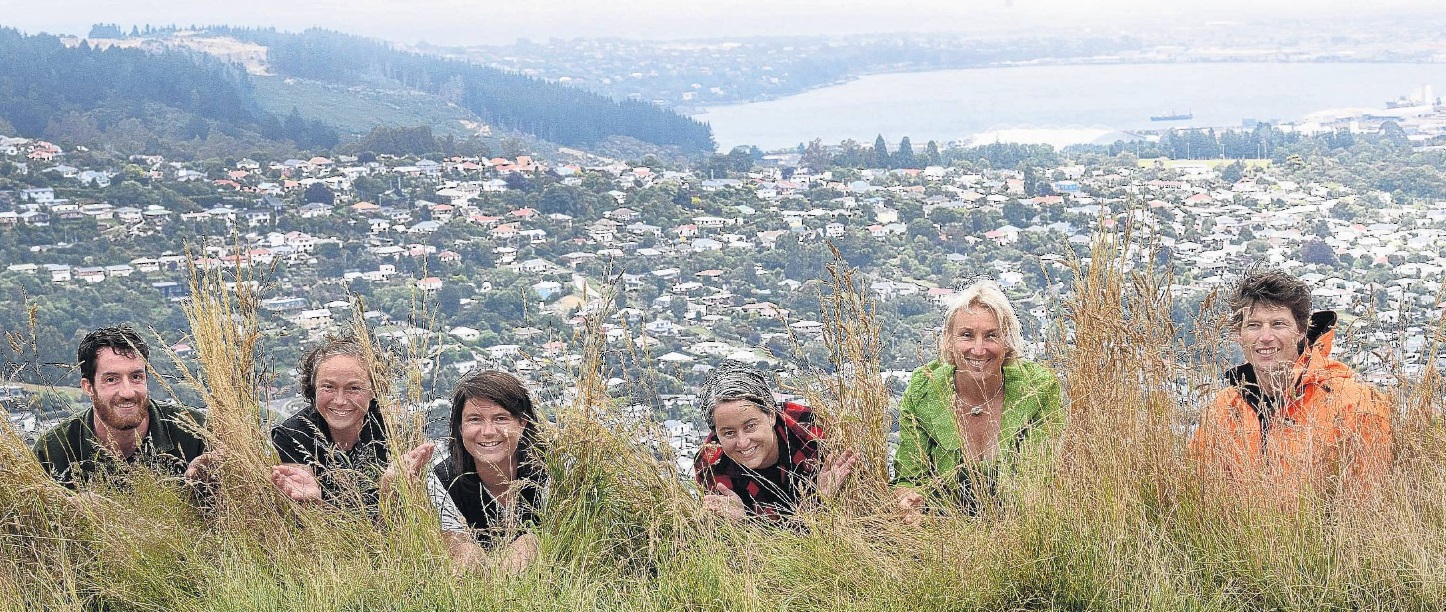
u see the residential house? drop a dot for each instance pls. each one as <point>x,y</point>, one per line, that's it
<point>313,319</point>
<point>465,334</point>
<point>90,274</point>
<point>314,210</point>
<point>60,273</point>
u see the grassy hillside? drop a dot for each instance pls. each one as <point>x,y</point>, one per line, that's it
<point>553,112</point>
<point>356,110</point>
<point>133,100</point>
<point>1116,518</point>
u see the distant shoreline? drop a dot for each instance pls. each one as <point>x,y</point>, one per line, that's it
<point>1072,102</point>
<point>701,110</point>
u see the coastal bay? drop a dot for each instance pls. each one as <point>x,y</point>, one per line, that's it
<point>1062,104</point>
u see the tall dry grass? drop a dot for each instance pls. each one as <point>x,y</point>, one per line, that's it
<point>853,402</point>
<point>226,336</point>
<point>613,503</point>
<point>1116,517</point>
<point>407,527</point>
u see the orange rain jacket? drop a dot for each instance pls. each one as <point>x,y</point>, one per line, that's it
<point>1332,427</point>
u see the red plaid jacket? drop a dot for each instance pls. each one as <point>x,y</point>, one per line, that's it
<point>773,492</point>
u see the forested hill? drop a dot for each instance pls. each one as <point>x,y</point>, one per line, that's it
<point>183,103</point>
<point>557,113</point>
<point>136,99</point>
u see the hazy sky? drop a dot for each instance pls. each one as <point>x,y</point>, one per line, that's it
<point>460,22</point>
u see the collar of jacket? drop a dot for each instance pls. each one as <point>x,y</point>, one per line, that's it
<point>939,420</point>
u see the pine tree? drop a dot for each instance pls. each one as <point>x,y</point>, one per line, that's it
<point>932,151</point>
<point>904,157</point>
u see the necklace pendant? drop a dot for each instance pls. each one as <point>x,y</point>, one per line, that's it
<point>976,410</point>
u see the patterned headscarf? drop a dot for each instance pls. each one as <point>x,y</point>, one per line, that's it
<point>734,380</point>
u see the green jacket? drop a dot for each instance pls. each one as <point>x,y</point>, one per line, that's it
<point>930,453</point>
<point>71,453</point>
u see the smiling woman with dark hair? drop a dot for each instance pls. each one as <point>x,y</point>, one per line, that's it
<point>489,491</point>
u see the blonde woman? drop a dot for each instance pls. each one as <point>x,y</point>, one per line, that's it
<point>974,409</point>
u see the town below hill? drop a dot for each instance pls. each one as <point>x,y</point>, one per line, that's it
<point>499,261</point>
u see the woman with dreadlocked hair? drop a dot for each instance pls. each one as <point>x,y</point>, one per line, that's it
<point>760,458</point>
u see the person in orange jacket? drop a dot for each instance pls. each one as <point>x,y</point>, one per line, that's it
<point>1292,416</point>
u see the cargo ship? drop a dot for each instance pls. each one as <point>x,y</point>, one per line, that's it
<point>1173,116</point>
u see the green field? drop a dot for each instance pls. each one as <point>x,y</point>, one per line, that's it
<point>357,109</point>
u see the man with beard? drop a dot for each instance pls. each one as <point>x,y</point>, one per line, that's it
<point>124,427</point>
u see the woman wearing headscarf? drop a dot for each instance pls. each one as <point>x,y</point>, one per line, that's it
<point>489,492</point>
<point>761,459</point>
<point>975,410</point>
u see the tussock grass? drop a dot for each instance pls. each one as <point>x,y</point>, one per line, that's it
<point>613,505</point>
<point>1115,517</point>
<point>226,332</point>
<point>853,402</point>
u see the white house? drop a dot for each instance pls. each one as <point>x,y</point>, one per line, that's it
<point>465,334</point>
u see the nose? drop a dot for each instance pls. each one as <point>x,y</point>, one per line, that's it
<point>488,428</point>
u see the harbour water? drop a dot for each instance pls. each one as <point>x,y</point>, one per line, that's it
<point>1063,104</point>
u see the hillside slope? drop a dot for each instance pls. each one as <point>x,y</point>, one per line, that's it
<point>556,113</point>
<point>201,91</point>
